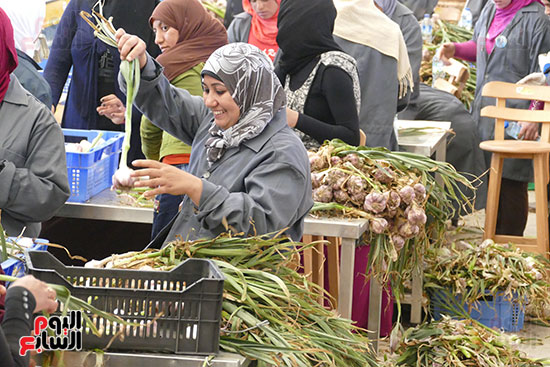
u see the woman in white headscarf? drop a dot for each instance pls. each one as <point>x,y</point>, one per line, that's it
<point>247,170</point>
<point>27,17</point>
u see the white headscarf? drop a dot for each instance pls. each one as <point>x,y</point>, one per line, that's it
<point>361,22</point>
<point>27,17</point>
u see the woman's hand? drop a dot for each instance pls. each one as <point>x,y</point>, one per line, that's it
<point>291,117</point>
<point>112,108</point>
<point>529,130</point>
<point>43,295</point>
<point>131,47</point>
<point>533,79</point>
<point>446,52</point>
<point>166,179</point>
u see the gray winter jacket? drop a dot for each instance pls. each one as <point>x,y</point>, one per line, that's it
<point>33,170</point>
<point>239,29</point>
<point>261,186</point>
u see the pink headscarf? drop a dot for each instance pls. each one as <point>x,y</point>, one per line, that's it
<point>502,18</point>
<point>8,55</point>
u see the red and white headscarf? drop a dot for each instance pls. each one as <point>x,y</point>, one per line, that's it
<point>8,54</point>
<point>263,32</point>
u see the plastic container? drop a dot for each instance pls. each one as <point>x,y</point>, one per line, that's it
<point>16,267</point>
<point>437,69</point>
<point>427,28</point>
<point>466,19</point>
<point>512,129</point>
<point>92,172</point>
<point>177,311</point>
<point>492,311</point>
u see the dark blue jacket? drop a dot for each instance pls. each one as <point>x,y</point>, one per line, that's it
<point>75,46</point>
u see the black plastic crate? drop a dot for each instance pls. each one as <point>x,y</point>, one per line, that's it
<point>178,311</point>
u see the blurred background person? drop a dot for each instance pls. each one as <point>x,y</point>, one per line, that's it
<point>95,65</point>
<point>508,37</point>
<point>257,25</point>
<point>27,17</point>
<point>232,8</point>
<point>377,44</point>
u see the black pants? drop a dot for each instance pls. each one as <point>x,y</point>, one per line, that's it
<point>513,208</point>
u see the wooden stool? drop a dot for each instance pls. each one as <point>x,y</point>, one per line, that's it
<point>502,149</point>
<point>314,264</point>
<point>362,137</point>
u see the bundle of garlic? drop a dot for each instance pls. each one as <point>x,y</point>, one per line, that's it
<point>471,271</point>
<point>397,192</point>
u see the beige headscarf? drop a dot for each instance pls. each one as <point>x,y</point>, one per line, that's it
<point>361,22</point>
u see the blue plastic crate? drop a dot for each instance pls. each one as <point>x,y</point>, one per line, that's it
<point>92,172</point>
<point>492,311</point>
<point>15,267</point>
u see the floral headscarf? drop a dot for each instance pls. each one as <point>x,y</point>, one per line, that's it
<point>248,75</point>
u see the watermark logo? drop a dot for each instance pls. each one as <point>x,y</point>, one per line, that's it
<point>54,333</point>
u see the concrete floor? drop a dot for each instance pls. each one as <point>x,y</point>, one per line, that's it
<point>539,346</point>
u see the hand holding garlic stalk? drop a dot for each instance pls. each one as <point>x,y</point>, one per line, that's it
<point>133,56</point>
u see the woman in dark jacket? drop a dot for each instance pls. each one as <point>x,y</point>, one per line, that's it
<point>94,64</point>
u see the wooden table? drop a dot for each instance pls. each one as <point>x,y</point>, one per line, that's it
<point>349,230</point>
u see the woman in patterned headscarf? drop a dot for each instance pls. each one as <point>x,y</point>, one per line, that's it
<point>321,81</point>
<point>247,170</point>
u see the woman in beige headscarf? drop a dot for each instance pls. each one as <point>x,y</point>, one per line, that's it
<point>377,44</point>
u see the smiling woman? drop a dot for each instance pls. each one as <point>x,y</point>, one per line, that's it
<point>248,170</point>
<point>217,98</point>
